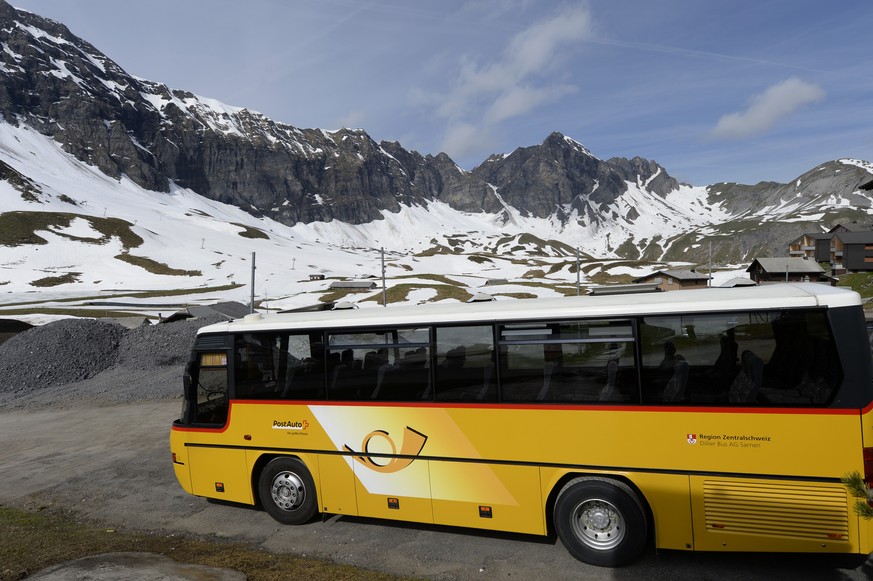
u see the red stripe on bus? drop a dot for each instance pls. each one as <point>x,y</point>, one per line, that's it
<point>565,407</point>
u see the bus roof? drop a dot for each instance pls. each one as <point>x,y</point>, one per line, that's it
<point>773,296</point>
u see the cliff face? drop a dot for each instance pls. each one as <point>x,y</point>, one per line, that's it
<point>64,87</point>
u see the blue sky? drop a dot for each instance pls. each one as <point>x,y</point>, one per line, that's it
<point>713,90</point>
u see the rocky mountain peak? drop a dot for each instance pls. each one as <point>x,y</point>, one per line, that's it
<point>67,89</point>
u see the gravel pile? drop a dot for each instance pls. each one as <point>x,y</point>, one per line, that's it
<point>74,361</point>
<point>62,352</point>
<point>150,346</point>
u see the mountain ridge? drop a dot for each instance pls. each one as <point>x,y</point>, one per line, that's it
<point>161,138</point>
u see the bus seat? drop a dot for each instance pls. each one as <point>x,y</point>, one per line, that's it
<point>611,377</point>
<point>380,379</point>
<point>548,369</point>
<point>747,383</point>
<point>289,381</point>
<point>675,388</point>
<point>403,384</point>
<point>428,390</point>
<point>487,373</point>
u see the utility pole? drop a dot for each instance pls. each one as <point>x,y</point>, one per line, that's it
<point>709,280</point>
<point>252,303</point>
<point>577,271</point>
<point>384,292</point>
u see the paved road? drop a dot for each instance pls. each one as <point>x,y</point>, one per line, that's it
<point>111,464</point>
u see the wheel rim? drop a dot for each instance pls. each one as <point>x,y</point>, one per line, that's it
<point>287,491</point>
<point>598,524</point>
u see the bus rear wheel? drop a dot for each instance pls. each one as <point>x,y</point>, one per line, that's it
<point>600,521</point>
<point>287,491</point>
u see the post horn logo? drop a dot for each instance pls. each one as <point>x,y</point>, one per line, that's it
<point>413,443</point>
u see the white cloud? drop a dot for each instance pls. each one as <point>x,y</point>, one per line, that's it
<point>461,139</point>
<point>767,109</point>
<point>519,100</point>
<point>534,48</point>
<point>520,80</point>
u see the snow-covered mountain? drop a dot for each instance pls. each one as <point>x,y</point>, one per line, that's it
<point>73,237</point>
<point>114,183</point>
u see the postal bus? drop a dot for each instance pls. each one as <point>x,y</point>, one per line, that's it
<point>710,419</point>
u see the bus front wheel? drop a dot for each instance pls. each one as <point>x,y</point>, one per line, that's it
<point>600,521</point>
<point>287,491</point>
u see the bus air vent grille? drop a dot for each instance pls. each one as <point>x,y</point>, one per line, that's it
<point>810,511</point>
<point>212,342</point>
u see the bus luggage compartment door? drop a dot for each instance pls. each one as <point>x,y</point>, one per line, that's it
<point>746,514</point>
<point>388,491</point>
<point>220,473</point>
<point>487,496</point>
<point>336,485</point>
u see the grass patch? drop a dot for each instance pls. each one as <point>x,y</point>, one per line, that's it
<point>558,266</point>
<point>628,249</point>
<point>445,292</point>
<point>337,295</point>
<point>104,297</point>
<point>155,267</point>
<point>249,232</point>
<point>181,291</point>
<point>603,277</point>
<point>20,228</point>
<point>398,293</point>
<point>536,246</point>
<point>517,295</point>
<point>57,280</point>
<point>34,541</point>
<point>393,294</point>
<point>860,282</point>
<point>441,278</point>
<point>434,251</point>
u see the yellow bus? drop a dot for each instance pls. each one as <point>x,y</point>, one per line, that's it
<point>706,420</point>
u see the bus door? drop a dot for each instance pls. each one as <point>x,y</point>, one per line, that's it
<point>216,471</point>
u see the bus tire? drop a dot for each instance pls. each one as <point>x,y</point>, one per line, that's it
<point>600,521</point>
<point>287,491</point>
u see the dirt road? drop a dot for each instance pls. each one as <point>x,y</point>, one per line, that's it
<point>111,465</point>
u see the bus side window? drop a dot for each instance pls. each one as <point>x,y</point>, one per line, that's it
<point>304,368</point>
<point>346,378</point>
<point>694,358</point>
<point>739,358</point>
<point>465,364</point>
<point>804,368</point>
<point>408,379</point>
<point>569,361</point>
<point>256,367</point>
<point>380,364</point>
<point>279,366</point>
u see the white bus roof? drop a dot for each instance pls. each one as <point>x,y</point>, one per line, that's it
<point>774,296</point>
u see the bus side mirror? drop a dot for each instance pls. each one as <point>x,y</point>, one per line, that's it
<point>188,383</point>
